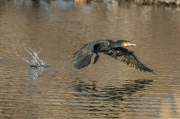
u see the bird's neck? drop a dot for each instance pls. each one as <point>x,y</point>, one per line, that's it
<point>115,45</point>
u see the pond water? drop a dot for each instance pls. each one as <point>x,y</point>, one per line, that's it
<point>107,89</point>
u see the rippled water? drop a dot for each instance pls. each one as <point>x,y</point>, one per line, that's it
<point>107,89</point>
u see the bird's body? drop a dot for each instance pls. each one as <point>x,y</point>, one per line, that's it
<point>82,57</point>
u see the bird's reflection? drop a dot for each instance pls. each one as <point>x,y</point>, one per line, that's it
<point>111,100</point>
<point>114,92</point>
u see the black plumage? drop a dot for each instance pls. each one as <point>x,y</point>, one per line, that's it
<point>82,57</point>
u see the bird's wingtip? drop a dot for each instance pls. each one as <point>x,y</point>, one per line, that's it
<point>154,72</point>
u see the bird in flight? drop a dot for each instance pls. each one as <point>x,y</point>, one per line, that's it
<point>117,50</point>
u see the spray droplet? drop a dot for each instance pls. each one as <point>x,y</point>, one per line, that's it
<point>35,62</point>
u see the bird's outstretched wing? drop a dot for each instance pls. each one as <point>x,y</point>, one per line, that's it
<point>82,57</point>
<point>124,55</point>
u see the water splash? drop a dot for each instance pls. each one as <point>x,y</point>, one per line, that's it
<point>35,62</point>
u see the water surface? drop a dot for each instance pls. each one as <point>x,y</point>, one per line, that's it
<point>107,89</point>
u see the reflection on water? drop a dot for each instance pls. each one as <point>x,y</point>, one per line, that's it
<point>109,101</point>
<point>77,2</point>
<point>108,89</point>
<point>33,73</point>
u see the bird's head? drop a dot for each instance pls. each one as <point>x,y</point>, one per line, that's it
<point>125,43</point>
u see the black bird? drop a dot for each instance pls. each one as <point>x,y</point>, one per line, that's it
<point>82,57</point>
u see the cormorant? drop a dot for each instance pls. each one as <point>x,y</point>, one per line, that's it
<point>82,57</point>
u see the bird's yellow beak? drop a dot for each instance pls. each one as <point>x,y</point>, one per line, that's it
<point>129,44</point>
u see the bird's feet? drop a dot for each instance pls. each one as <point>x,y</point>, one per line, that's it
<point>96,58</point>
